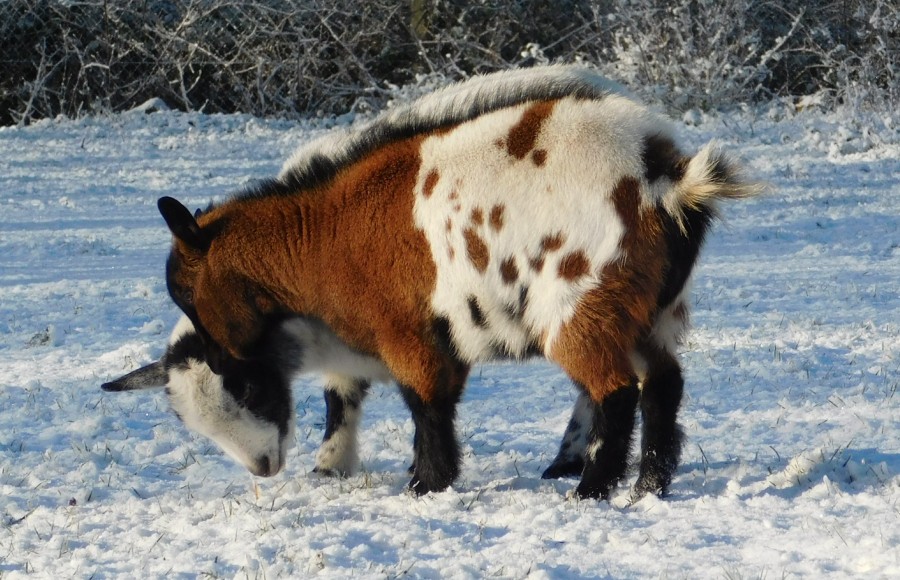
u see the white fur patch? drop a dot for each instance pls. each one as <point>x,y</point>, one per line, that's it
<point>672,322</point>
<point>593,449</point>
<point>575,439</point>
<point>590,146</point>
<point>324,352</point>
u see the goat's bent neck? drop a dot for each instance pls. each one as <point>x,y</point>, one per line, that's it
<point>347,252</point>
<point>275,243</point>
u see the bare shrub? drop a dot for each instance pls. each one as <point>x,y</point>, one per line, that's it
<point>281,57</point>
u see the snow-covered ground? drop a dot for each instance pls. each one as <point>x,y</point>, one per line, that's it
<point>791,467</point>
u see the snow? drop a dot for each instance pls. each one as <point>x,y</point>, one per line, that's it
<point>791,467</point>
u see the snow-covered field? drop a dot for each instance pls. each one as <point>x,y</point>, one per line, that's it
<point>791,467</point>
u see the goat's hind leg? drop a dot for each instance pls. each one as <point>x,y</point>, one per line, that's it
<point>609,443</point>
<point>570,459</point>
<point>661,394</point>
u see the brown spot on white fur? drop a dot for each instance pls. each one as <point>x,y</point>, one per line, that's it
<point>573,266</point>
<point>496,217</point>
<point>477,216</point>
<point>539,157</point>
<point>476,249</point>
<point>551,243</point>
<point>509,272</point>
<point>430,182</point>
<point>642,225</point>
<point>523,135</point>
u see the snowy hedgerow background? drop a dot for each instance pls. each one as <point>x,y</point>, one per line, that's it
<point>792,463</point>
<point>294,59</point>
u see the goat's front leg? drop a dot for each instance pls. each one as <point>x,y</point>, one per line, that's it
<point>436,451</point>
<point>431,381</point>
<point>338,455</point>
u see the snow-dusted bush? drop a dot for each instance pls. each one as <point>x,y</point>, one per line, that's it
<point>712,53</point>
<point>694,54</point>
<point>283,57</point>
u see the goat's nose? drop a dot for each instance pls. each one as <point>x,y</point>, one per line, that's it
<point>263,467</point>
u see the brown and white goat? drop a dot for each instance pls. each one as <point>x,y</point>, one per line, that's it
<point>540,211</point>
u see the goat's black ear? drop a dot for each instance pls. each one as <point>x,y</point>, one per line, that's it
<point>182,224</point>
<point>147,377</point>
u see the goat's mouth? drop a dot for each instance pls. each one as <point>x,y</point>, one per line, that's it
<point>265,467</point>
<point>270,464</point>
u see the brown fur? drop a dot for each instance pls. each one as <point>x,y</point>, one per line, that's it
<point>476,249</point>
<point>594,346</point>
<point>496,217</point>
<point>523,135</point>
<point>662,158</point>
<point>573,266</point>
<point>430,182</point>
<point>551,243</point>
<point>539,157</point>
<point>509,272</point>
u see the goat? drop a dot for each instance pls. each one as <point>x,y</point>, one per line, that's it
<point>249,413</point>
<point>533,212</point>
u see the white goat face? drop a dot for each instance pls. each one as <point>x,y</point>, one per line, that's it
<point>248,413</point>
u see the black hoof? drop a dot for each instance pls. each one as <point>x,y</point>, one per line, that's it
<point>570,468</point>
<point>592,492</point>
<point>418,488</point>
<point>645,486</point>
<point>327,472</point>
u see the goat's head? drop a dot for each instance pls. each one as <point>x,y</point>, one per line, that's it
<point>247,411</point>
<point>228,310</point>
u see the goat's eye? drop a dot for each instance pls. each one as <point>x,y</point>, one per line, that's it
<point>188,296</point>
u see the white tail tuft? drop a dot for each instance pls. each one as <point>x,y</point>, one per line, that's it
<point>710,175</point>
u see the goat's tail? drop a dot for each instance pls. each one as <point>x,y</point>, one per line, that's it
<point>710,175</point>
